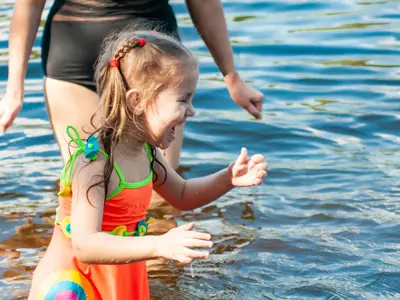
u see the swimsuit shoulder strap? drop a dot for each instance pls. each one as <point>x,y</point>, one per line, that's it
<point>90,149</point>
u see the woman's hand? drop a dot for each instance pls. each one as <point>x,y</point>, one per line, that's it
<point>10,105</point>
<point>243,94</point>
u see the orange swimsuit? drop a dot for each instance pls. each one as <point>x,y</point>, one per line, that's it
<point>125,215</point>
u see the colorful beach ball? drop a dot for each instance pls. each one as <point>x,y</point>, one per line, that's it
<point>66,285</point>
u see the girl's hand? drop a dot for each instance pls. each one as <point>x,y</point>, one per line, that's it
<point>176,244</point>
<point>243,94</point>
<point>248,172</point>
<point>10,106</point>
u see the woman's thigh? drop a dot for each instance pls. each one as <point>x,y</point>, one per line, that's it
<point>69,104</point>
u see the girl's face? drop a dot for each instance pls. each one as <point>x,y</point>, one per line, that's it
<point>171,109</point>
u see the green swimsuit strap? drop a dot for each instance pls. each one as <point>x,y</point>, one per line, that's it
<point>132,185</point>
<point>121,176</point>
<point>90,148</point>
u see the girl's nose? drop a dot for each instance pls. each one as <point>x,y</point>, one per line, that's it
<point>190,112</point>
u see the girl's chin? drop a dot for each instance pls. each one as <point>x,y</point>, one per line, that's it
<point>164,145</point>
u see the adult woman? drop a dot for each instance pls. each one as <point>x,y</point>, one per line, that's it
<point>71,42</point>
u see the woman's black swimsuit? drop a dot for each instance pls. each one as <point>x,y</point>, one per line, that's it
<point>75,30</point>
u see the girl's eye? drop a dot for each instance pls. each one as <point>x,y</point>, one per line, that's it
<point>182,100</point>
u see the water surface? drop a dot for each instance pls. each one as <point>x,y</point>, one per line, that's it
<point>325,225</point>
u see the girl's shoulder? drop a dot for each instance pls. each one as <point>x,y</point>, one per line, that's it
<point>86,155</point>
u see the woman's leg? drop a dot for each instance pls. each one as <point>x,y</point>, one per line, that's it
<point>69,104</point>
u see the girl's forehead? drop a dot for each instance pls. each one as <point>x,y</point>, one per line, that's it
<point>189,79</point>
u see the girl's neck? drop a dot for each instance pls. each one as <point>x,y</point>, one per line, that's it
<point>130,146</point>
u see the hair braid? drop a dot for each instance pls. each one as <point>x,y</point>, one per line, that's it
<point>125,48</point>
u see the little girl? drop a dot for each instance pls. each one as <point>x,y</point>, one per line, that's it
<point>146,81</point>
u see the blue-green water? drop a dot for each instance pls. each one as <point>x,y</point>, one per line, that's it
<point>325,225</point>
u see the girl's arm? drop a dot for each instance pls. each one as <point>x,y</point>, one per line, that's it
<point>197,192</point>
<point>24,25</point>
<point>208,17</point>
<point>91,245</point>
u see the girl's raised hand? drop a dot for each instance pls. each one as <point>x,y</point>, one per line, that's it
<point>248,172</point>
<point>176,244</point>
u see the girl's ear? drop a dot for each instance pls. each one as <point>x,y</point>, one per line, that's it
<point>133,95</point>
<point>133,101</point>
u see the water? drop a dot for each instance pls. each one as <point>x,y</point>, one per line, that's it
<point>325,225</point>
